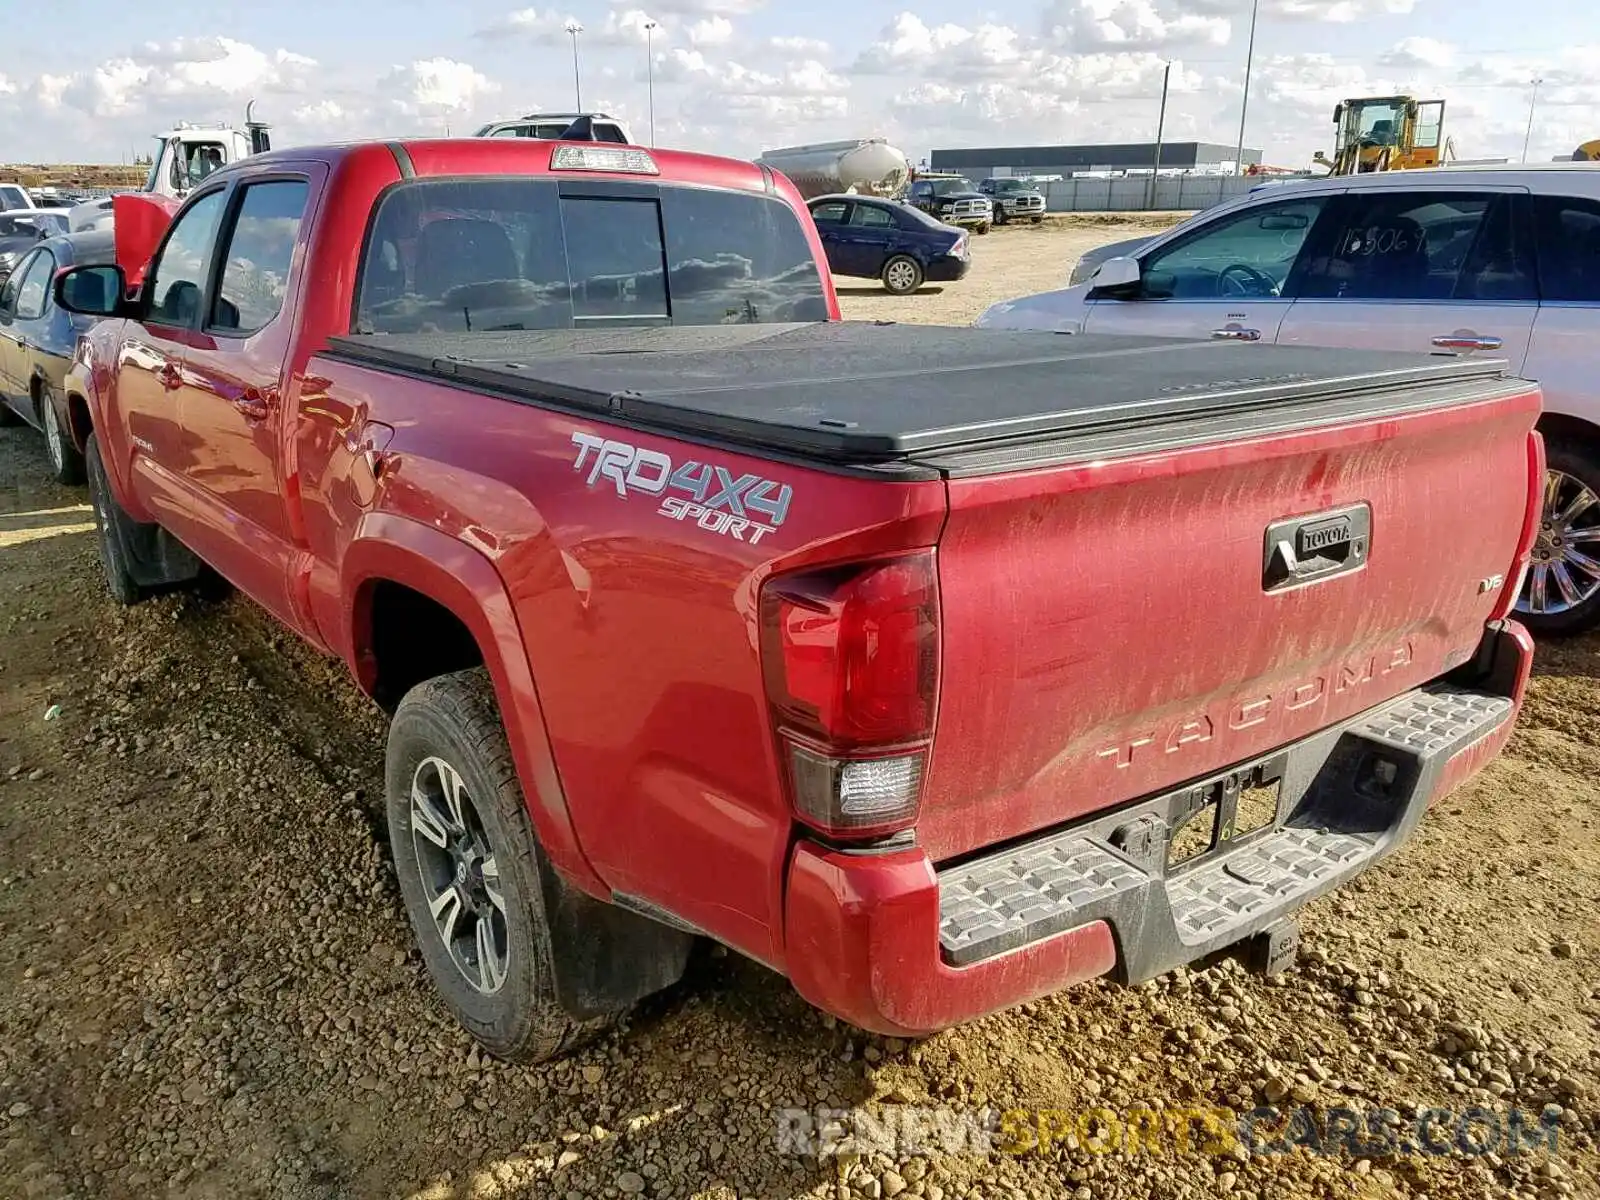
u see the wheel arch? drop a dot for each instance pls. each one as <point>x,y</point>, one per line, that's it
<point>1569,427</point>
<point>396,569</point>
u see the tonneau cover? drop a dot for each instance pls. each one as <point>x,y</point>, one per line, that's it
<point>872,391</point>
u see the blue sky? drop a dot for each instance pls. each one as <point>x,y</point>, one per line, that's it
<point>741,75</point>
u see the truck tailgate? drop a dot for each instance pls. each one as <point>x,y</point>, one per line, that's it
<point>1114,627</point>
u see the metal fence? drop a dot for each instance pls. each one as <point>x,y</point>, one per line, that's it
<point>1173,193</point>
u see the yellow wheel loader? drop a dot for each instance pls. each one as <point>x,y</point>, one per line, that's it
<point>1387,133</point>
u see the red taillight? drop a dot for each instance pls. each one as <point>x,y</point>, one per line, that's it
<point>851,659</point>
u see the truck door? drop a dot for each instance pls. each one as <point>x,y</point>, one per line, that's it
<point>1229,279</point>
<point>150,363</point>
<point>232,404</point>
<point>1429,269</point>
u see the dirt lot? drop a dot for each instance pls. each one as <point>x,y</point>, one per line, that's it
<point>207,985</point>
<point>1013,261</point>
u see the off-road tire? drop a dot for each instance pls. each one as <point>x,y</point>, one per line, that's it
<point>66,463</point>
<point>455,718</point>
<point>1580,460</point>
<point>902,275</point>
<point>109,523</point>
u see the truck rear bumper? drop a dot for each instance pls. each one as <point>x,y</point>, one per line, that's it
<point>888,943</point>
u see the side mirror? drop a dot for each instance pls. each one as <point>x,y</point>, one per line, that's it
<point>1115,273</point>
<point>94,291</point>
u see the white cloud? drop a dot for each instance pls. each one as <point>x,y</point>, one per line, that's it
<point>712,31</point>
<point>436,88</point>
<point>694,8</point>
<point>815,47</point>
<point>535,24</point>
<point>1050,70</point>
<point>1338,11</point>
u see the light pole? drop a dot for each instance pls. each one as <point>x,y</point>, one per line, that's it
<point>1161,128</point>
<point>650,73</point>
<point>573,28</point>
<point>1244,104</point>
<point>1532,100</point>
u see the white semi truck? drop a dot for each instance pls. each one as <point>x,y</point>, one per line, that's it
<point>187,153</point>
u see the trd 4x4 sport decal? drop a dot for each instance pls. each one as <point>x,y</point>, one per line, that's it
<point>747,508</point>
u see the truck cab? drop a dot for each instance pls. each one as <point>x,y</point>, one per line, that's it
<point>186,154</point>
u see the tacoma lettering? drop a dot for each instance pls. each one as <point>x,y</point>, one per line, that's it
<point>1245,714</point>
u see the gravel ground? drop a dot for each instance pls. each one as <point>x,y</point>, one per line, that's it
<point>207,985</point>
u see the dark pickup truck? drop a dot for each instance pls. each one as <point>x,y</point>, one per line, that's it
<point>936,668</point>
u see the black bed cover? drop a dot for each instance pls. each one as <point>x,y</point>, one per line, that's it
<point>870,391</point>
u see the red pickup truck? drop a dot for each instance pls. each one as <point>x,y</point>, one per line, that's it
<point>936,668</point>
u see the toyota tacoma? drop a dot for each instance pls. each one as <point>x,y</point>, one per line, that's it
<point>935,668</point>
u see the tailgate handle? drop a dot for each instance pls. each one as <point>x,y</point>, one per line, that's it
<point>1464,341</point>
<point>1310,549</point>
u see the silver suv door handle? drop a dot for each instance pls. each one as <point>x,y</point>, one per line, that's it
<point>1234,334</point>
<point>1459,341</point>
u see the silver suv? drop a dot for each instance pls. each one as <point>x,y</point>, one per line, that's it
<point>1501,262</point>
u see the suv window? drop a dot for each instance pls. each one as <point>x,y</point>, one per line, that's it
<point>256,271</point>
<point>505,254</point>
<point>1249,253</point>
<point>1422,246</point>
<point>33,293</point>
<point>177,279</point>
<point>1569,248</point>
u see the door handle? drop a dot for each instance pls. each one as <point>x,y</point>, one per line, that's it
<point>1466,341</point>
<point>1234,333</point>
<point>253,405</point>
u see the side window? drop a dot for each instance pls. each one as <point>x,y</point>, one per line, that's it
<point>177,279</point>
<point>260,248</point>
<point>831,213</point>
<point>33,295</point>
<point>872,217</point>
<point>1568,232</point>
<point>1249,253</point>
<point>1420,246</point>
<point>13,283</point>
<point>615,257</point>
<point>737,259</point>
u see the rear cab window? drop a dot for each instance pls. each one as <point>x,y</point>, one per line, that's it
<point>498,254</point>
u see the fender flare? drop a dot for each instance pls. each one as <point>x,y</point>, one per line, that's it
<point>391,548</point>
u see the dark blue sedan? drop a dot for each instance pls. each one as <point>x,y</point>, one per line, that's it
<point>884,239</point>
<point>37,341</point>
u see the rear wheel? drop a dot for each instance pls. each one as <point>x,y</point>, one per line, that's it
<point>65,461</point>
<point>1561,594</point>
<point>902,274</point>
<point>470,870</point>
<point>110,524</point>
